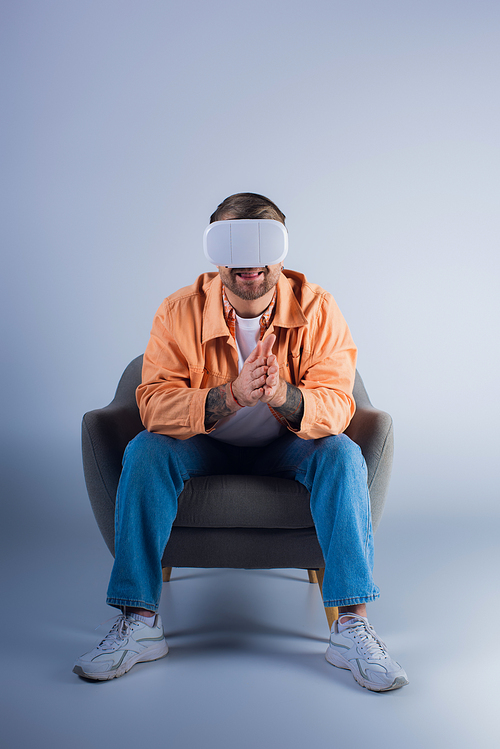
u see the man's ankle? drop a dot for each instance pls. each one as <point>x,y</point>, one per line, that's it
<point>141,612</point>
<point>359,609</point>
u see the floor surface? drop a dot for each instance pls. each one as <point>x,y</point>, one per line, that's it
<point>246,666</point>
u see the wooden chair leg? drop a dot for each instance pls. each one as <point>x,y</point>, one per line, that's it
<point>166,572</point>
<point>331,612</point>
<point>312,576</point>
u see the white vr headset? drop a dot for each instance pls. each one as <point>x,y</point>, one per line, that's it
<point>245,243</point>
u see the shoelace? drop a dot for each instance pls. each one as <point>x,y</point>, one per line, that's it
<point>118,632</point>
<point>370,643</point>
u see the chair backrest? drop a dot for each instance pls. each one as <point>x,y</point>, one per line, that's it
<point>107,431</point>
<point>370,428</point>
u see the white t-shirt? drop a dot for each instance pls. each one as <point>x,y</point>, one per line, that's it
<point>254,426</point>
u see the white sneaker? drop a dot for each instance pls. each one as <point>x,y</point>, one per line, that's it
<point>129,641</point>
<point>355,645</point>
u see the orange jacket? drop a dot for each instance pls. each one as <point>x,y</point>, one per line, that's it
<point>191,351</point>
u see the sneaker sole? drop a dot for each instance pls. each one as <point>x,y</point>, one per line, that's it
<point>152,655</point>
<point>337,660</point>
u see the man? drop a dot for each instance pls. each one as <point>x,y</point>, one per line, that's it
<point>249,370</point>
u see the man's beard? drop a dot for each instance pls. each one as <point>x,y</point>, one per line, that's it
<point>251,290</point>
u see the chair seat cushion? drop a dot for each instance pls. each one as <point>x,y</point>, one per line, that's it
<point>250,548</point>
<point>234,501</point>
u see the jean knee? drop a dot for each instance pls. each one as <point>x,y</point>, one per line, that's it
<point>341,449</point>
<point>145,446</point>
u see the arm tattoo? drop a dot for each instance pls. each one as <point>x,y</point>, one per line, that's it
<point>293,407</point>
<point>215,406</point>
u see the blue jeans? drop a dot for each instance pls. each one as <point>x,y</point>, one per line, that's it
<point>155,468</point>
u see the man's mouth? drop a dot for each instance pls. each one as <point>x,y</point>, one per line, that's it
<point>249,275</point>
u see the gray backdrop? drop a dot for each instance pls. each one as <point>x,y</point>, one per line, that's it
<point>374,127</point>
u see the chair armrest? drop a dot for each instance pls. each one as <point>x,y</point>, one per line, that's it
<point>105,434</point>
<point>372,430</point>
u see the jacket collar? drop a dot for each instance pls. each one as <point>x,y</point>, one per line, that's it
<point>287,314</point>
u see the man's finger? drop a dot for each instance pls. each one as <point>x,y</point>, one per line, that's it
<point>267,345</point>
<point>255,354</point>
<point>258,372</point>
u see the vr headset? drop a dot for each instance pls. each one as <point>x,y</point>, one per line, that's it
<point>245,243</point>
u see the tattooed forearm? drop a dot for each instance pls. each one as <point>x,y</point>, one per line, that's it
<point>293,407</point>
<point>216,406</point>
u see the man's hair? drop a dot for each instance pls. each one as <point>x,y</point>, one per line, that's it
<point>247,205</point>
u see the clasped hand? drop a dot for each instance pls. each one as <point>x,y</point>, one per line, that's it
<point>259,378</point>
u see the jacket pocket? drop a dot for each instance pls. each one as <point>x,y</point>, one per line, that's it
<point>293,367</point>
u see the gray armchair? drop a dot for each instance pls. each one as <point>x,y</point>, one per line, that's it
<point>253,522</point>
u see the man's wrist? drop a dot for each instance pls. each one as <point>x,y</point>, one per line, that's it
<point>219,403</point>
<point>281,394</point>
<point>293,406</point>
<point>233,399</point>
